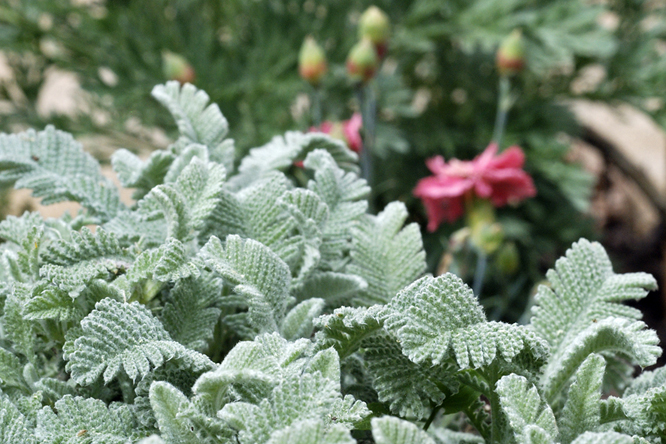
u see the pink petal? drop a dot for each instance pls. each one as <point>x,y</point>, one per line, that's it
<point>484,159</point>
<point>437,187</point>
<point>352,131</point>
<point>325,128</point>
<point>436,164</point>
<point>512,157</point>
<point>439,211</point>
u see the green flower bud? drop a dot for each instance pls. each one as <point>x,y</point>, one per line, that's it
<point>176,67</point>
<point>510,58</point>
<point>507,258</point>
<point>375,26</point>
<point>311,61</point>
<point>362,61</point>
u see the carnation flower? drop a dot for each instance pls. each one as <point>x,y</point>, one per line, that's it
<point>498,178</point>
<point>348,131</point>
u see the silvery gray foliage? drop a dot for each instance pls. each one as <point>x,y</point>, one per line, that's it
<point>235,306</point>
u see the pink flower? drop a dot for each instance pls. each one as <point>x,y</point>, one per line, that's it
<point>348,131</point>
<point>500,179</point>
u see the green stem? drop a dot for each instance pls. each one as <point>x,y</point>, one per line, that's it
<point>495,409</point>
<point>503,107</point>
<point>432,416</point>
<point>368,107</point>
<point>316,107</point>
<point>479,272</point>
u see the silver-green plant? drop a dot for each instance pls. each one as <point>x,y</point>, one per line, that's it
<point>229,305</point>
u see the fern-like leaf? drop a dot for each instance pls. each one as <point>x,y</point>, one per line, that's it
<point>54,166</point>
<point>344,194</point>
<point>604,438</point>
<point>118,336</point>
<point>143,176</point>
<point>191,314</point>
<point>581,412</point>
<point>623,338</point>
<point>282,151</point>
<point>584,290</point>
<point>298,322</point>
<point>409,389</point>
<point>387,256</point>
<point>257,274</point>
<point>198,122</point>
<point>312,432</point>
<point>167,402</point>
<point>527,414</point>
<point>87,419</point>
<point>346,328</point>
<point>436,319</point>
<point>13,425</point>
<point>390,430</point>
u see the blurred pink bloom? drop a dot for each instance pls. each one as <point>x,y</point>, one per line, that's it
<point>348,131</point>
<point>352,131</point>
<point>500,179</point>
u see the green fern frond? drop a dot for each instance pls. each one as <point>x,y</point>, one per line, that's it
<point>639,413</point>
<point>201,183</point>
<point>605,438</point>
<point>584,290</point>
<point>257,274</point>
<point>49,302</point>
<point>11,374</point>
<point>167,402</point>
<point>191,313</point>
<point>527,414</point>
<point>13,425</point>
<point>437,319</point>
<point>198,122</point>
<point>185,157</point>
<point>620,337</point>
<point>26,266</point>
<point>409,389</point>
<point>143,176</point>
<point>386,255</point>
<point>84,246</point>
<point>22,334</point>
<point>168,263</point>
<point>255,212</point>
<point>118,336</point>
<point>312,432</point>
<point>251,369</point>
<point>308,213</point>
<point>334,288</point>
<point>344,194</point>
<point>132,227</point>
<point>165,202</point>
<point>390,430</point>
<point>309,396</point>
<point>298,322</point>
<point>86,420</point>
<point>346,328</point>
<point>581,412</point>
<point>282,151</point>
<point>16,229</point>
<point>54,166</point>
<point>71,265</point>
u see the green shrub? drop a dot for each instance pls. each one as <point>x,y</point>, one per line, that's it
<point>231,306</point>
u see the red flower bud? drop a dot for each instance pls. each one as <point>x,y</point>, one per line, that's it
<point>311,61</point>
<point>362,61</point>
<point>176,67</point>
<point>375,26</point>
<point>510,58</point>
